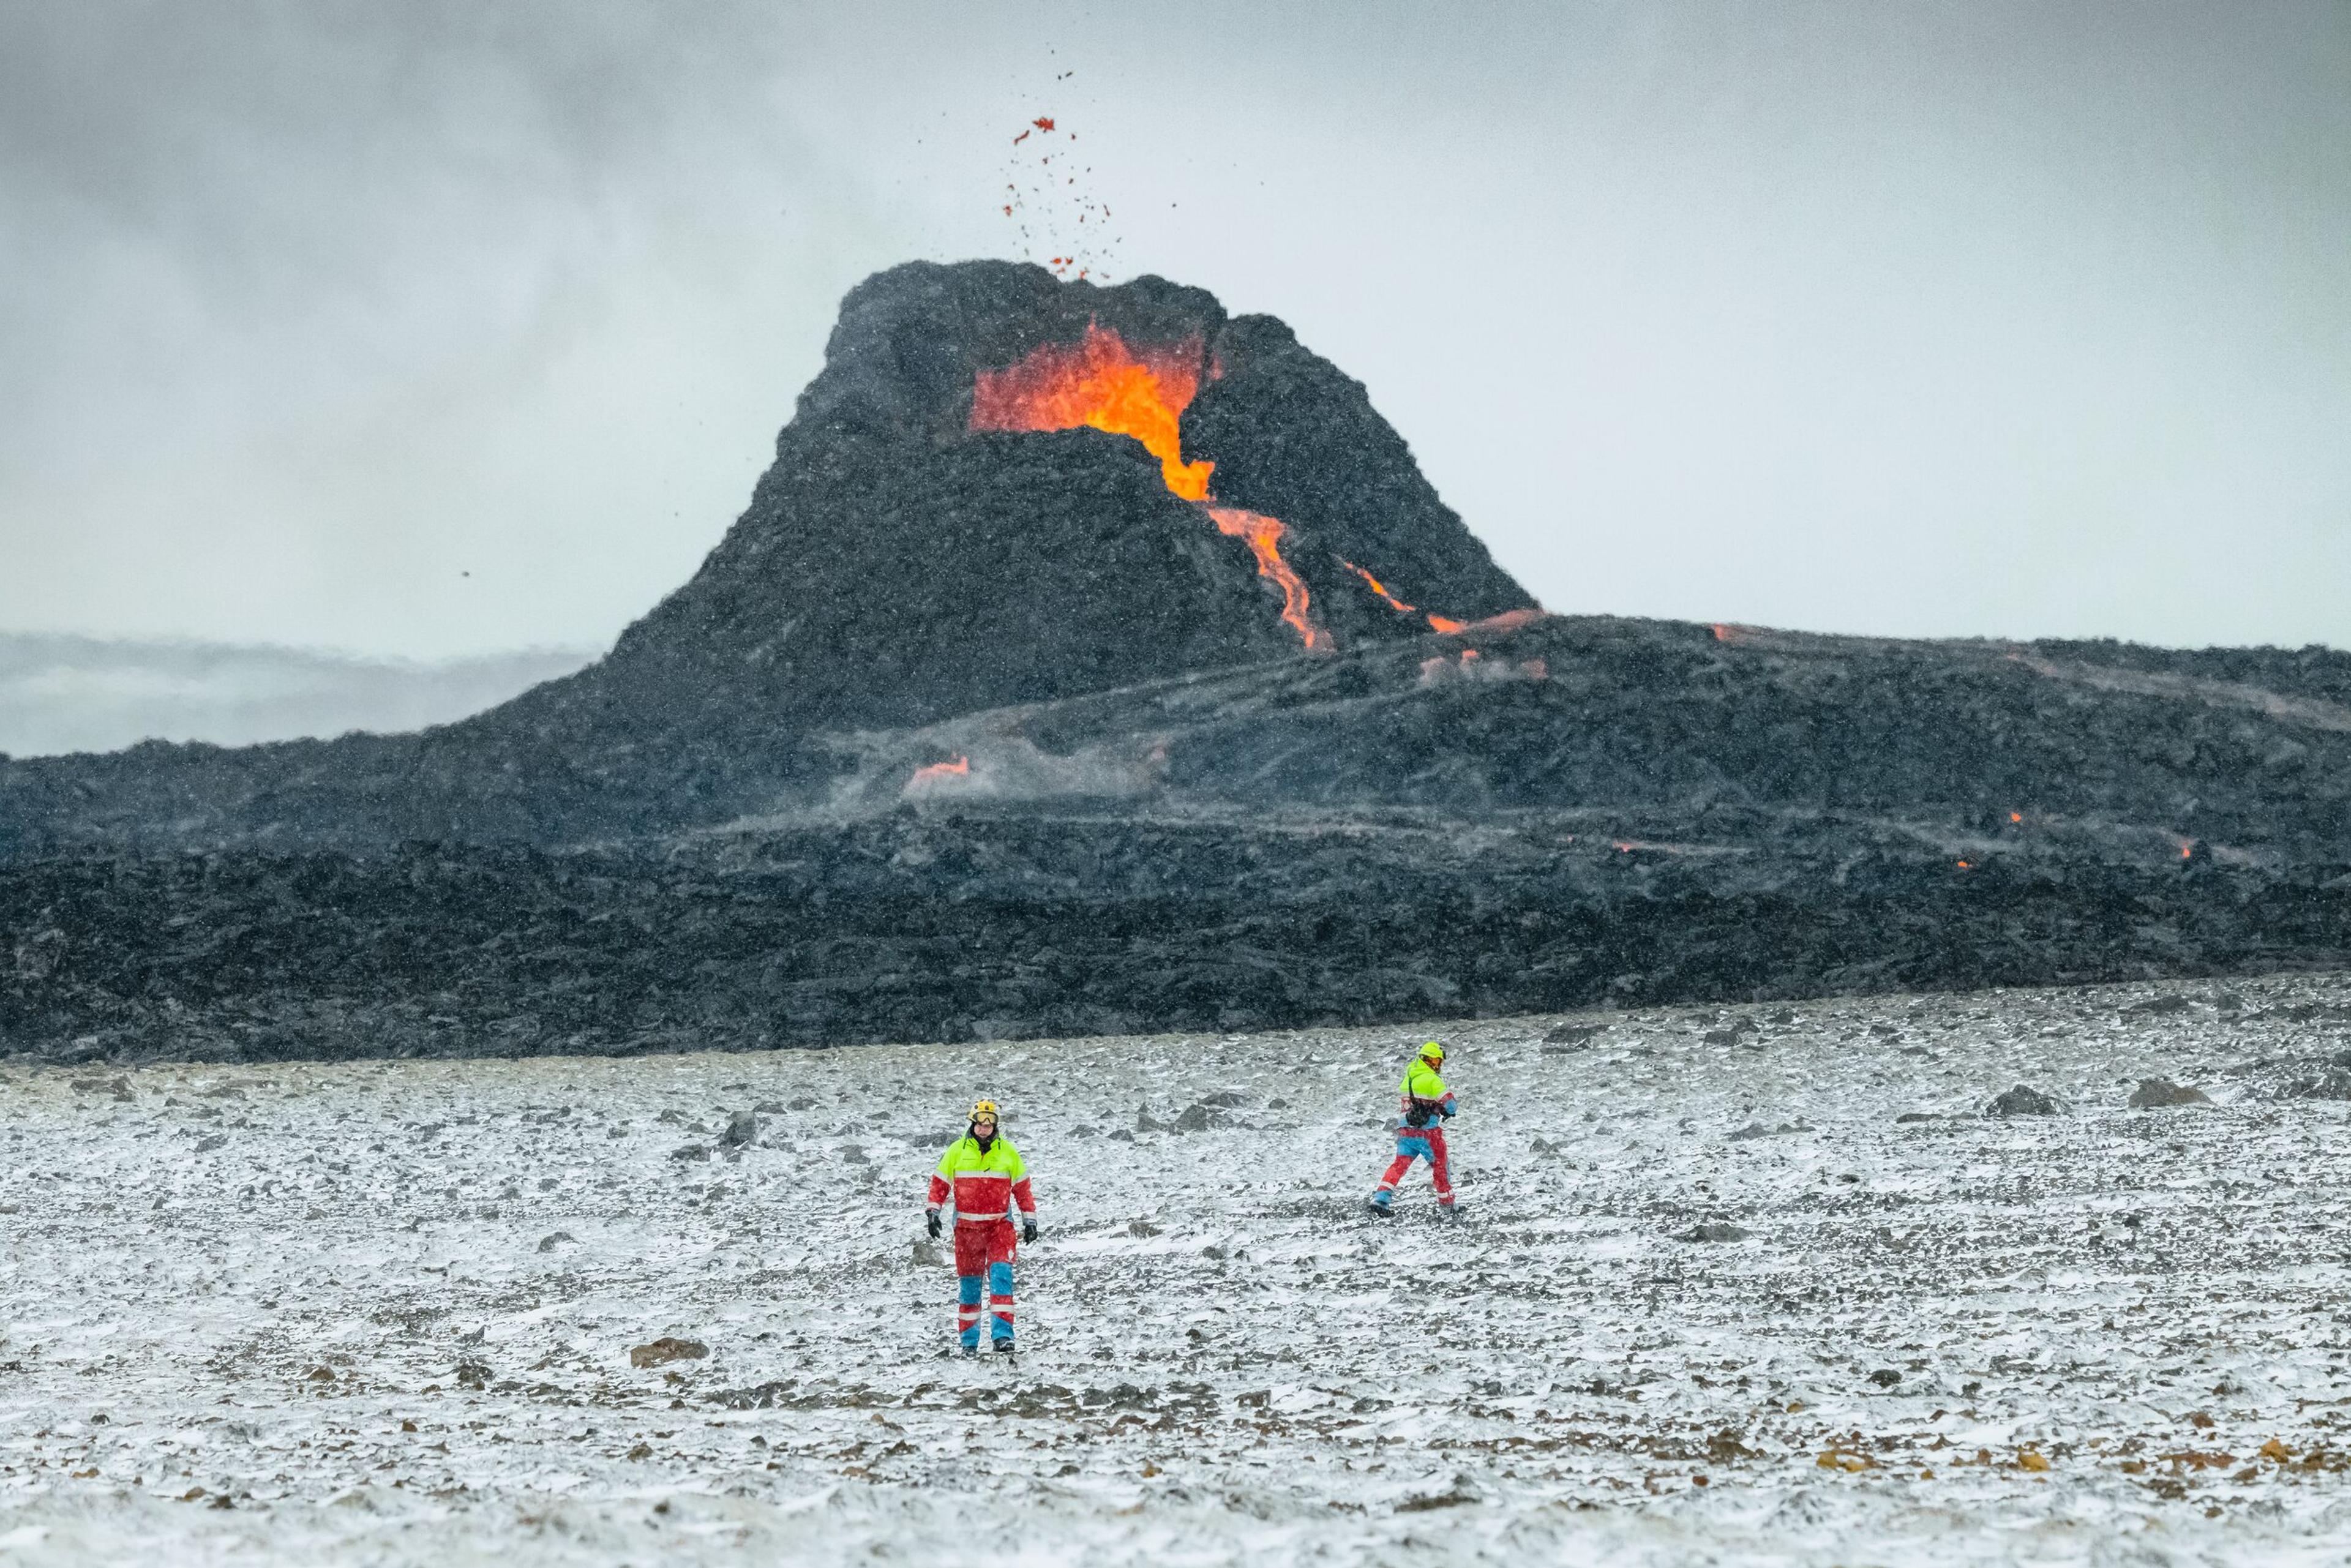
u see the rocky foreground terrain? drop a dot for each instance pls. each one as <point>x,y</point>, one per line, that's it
<point>1764,1283</point>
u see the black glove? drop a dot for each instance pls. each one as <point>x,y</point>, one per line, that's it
<point>931,1219</point>
<point>1028,1229</point>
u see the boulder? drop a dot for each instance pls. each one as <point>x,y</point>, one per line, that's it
<point>2022,1101</point>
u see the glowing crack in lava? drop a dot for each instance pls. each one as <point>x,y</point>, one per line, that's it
<point>1377,587</point>
<point>955,769</point>
<point>1099,382</point>
<point>1438,623</point>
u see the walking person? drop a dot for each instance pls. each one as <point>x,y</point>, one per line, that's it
<point>1427,1106</point>
<point>985,1176</point>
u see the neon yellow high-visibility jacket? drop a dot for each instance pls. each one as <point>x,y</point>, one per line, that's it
<point>1423,1087</point>
<point>984,1184</point>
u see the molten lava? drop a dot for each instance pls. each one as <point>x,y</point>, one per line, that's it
<point>1376,586</point>
<point>1097,382</point>
<point>959,766</point>
<point>1100,383</point>
<point>1264,536</point>
<point>1438,622</point>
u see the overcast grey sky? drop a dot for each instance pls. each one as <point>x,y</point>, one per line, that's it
<point>444,327</point>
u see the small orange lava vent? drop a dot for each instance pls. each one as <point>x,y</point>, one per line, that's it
<point>1100,383</point>
<point>955,769</point>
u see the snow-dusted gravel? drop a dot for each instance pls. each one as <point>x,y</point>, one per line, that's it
<point>382,1312</point>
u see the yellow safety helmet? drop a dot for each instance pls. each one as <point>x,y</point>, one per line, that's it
<point>983,1111</point>
<point>1433,1051</point>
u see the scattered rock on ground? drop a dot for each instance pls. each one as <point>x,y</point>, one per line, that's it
<point>2157,1007</point>
<point>2022,1101</point>
<point>2328,1079</point>
<point>1758,1129</point>
<point>664,1350</point>
<point>2153,1093</point>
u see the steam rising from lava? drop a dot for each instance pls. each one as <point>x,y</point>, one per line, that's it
<point>1099,382</point>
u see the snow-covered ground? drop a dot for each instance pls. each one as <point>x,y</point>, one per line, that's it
<point>383,1313</point>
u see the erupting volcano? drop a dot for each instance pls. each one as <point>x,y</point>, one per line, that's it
<point>976,725</point>
<point>1097,382</point>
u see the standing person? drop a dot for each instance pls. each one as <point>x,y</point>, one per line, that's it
<point>1427,1105</point>
<point>985,1175</point>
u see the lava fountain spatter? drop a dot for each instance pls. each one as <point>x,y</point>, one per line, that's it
<point>1101,383</point>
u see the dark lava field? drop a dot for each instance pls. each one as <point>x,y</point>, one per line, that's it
<point>985,729</point>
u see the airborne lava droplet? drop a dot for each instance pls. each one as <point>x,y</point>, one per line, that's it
<point>1100,383</point>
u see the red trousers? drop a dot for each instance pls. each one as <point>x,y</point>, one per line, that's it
<point>1418,1143</point>
<point>984,1250</point>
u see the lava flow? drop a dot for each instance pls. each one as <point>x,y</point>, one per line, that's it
<point>1101,383</point>
<point>1439,622</point>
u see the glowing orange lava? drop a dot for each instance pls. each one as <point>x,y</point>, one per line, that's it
<point>960,765</point>
<point>1097,382</point>
<point>1100,383</point>
<point>1438,623</point>
<point>1264,536</point>
<point>1376,586</point>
